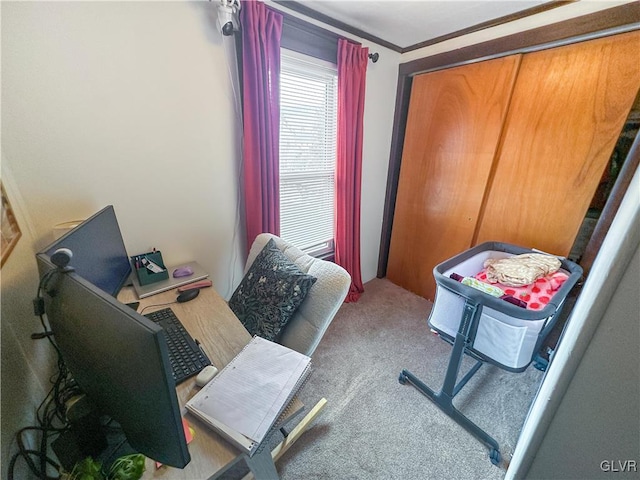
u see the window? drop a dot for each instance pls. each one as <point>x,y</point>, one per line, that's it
<point>308,132</point>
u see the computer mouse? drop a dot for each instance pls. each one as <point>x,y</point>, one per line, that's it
<point>188,295</point>
<point>205,375</point>
<point>182,272</point>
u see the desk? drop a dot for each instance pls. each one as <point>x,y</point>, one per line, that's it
<point>209,320</point>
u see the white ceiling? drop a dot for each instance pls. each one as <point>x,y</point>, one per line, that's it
<point>406,23</point>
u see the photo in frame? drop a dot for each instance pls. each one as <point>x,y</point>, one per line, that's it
<point>9,227</point>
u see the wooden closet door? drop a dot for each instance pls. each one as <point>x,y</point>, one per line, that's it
<point>568,108</point>
<point>454,124</point>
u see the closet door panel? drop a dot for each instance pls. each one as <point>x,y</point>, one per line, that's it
<point>454,124</point>
<point>569,105</point>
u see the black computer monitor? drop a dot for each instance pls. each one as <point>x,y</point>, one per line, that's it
<point>99,254</point>
<point>118,358</point>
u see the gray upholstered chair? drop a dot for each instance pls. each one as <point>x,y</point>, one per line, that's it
<point>305,330</point>
<point>308,325</point>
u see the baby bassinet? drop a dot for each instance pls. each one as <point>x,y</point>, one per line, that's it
<point>485,327</point>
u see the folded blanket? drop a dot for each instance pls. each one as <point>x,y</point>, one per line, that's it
<point>537,295</point>
<point>520,270</point>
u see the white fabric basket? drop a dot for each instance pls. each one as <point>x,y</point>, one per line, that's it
<point>507,335</point>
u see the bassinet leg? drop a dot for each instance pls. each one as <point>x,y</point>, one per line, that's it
<point>467,377</point>
<point>444,398</point>
<point>444,401</point>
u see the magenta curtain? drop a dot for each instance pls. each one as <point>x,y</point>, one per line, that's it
<point>261,34</point>
<point>352,69</point>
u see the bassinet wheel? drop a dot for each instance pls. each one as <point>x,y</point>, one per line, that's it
<point>402,378</point>
<point>494,456</point>
<point>540,363</point>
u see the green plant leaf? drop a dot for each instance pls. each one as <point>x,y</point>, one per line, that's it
<point>128,467</point>
<point>87,469</point>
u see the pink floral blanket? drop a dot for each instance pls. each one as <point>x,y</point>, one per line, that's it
<point>536,295</point>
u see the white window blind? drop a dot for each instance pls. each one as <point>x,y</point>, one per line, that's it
<point>308,130</point>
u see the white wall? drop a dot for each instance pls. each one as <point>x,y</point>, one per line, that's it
<point>126,104</point>
<point>130,104</point>
<point>26,364</point>
<point>380,97</point>
<point>596,423</point>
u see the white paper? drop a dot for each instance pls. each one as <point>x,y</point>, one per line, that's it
<point>249,394</point>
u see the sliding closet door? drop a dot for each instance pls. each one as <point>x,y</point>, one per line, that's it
<point>569,105</point>
<point>454,124</point>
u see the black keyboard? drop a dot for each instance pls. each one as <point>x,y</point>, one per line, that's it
<point>186,356</point>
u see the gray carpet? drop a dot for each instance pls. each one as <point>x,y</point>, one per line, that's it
<point>375,428</point>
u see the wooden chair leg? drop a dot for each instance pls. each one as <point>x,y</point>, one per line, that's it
<point>294,435</point>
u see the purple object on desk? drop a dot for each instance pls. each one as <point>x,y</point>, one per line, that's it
<point>182,272</point>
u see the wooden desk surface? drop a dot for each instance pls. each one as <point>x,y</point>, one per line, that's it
<point>209,320</point>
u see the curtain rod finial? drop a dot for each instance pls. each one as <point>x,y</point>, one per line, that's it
<point>374,57</point>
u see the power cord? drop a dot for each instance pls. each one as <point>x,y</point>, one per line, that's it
<point>51,413</point>
<point>157,305</point>
<point>39,310</point>
<point>51,419</point>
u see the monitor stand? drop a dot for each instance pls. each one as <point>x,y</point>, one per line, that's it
<point>89,436</point>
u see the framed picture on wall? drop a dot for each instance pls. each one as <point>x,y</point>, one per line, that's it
<point>9,225</point>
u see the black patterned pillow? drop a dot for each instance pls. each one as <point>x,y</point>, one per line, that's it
<point>270,293</point>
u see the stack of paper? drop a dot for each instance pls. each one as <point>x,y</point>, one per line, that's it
<point>247,397</point>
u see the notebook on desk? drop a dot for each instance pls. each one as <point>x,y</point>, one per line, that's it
<point>246,399</point>
<point>163,285</point>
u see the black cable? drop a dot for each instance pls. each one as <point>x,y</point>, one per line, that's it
<point>26,453</point>
<point>158,305</point>
<point>106,463</point>
<point>46,333</point>
<point>51,412</point>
